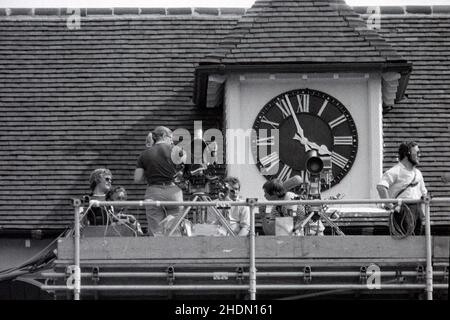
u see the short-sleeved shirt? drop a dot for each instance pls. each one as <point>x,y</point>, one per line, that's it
<point>157,164</point>
<point>238,218</point>
<point>398,177</point>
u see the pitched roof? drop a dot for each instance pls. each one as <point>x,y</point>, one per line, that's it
<point>75,100</point>
<point>303,31</point>
<point>421,35</point>
<point>305,36</point>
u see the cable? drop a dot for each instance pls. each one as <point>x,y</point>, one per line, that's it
<point>401,222</point>
<point>37,261</point>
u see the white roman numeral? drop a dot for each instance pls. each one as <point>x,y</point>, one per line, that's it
<point>322,108</point>
<point>343,140</point>
<point>285,173</point>
<point>303,103</point>
<point>269,141</point>
<point>338,160</point>
<point>270,160</point>
<point>273,124</point>
<point>283,104</point>
<point>337,121</point>
<point>304,176</point>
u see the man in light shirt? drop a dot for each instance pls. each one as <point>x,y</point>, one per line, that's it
<point>405,181</point>
<point>238,217</point>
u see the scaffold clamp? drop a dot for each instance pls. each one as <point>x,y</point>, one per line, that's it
<point>420,273</point>
<point>307,274</point>
<point>95,274</point>
<point>363,274</point>
<point>171,274</point>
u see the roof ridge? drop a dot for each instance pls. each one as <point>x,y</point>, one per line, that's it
<point>119,11</point>
<point>360,26</point>
<point>262,10</point>
<point>215,11</point>
<point>404,10</point>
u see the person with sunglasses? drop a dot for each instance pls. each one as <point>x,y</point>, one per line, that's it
<point>100,182</point>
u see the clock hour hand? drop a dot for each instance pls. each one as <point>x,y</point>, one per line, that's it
<point>322,149</point>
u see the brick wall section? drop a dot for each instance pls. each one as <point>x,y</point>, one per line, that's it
<point>75,100</point>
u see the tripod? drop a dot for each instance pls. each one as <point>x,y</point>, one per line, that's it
<point>201,196</point>
<point>313,192</point>
<point>318,211</point>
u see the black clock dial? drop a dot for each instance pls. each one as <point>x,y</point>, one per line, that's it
<point>305,119</point>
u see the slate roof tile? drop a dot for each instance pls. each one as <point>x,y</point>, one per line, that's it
<point>425,115</point>
<point>273,22</point>
<point>68,98</point>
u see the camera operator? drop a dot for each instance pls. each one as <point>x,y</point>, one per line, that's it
<point>149,140</point>
<point>405,181</point>
<point>237,216</point>
<point>274,190</point>
<point>156,166</point>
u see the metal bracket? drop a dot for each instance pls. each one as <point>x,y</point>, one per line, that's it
<point>239,274</point>
<point>171,275</point>
<point>446,273</point>
<point>69,271</point>
<point>420,273</point>
<point>95,274</point>
<point>363,274</point>
<point>399,277</point>
<point>307,274</point>
<point>251,201</point>
<point>76,202</point>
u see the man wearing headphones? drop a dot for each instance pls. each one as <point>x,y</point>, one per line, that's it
<point>405,181</point>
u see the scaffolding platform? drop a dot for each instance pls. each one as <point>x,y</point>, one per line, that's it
<point>218,267</point>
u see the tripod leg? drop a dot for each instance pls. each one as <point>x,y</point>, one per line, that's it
<point>223,221</point>
<point>332,225</point>
<point>181,218</point>
<point>304,222</point>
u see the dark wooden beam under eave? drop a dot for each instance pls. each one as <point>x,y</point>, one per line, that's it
<point>203,71</point>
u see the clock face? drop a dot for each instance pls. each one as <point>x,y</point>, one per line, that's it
<point>306,120</point>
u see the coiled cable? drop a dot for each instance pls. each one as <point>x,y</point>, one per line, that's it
<point>402,222</point>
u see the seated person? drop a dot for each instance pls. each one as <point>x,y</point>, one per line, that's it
<point>120,217</point>
<point>100,183</point>
<point>238,217</point>
<point>274,190</point>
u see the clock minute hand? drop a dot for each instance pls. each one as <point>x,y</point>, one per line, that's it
<point>297,124</point>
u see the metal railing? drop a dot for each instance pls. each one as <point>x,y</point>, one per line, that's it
<point>252,286</point>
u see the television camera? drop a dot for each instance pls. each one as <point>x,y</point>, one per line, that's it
<point>202,174</point>
<point>202,179</point>
<point>318,174</point>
